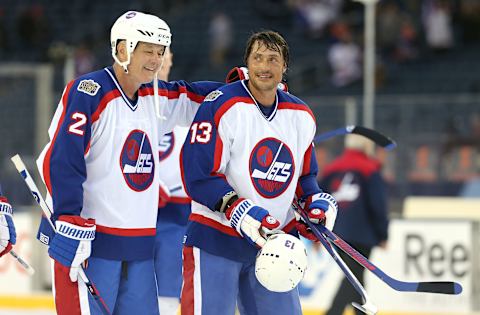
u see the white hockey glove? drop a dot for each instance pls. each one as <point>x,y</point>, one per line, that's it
<point>241,73</point>
<point>320,208</point>
<point>8,236</point>
<point>72,244</point>
<point>254,223</point>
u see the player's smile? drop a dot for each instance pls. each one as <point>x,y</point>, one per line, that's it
<point>264,76</point>
<point>152,68</point>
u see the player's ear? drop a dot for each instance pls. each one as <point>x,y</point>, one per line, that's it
<point>122,51</point>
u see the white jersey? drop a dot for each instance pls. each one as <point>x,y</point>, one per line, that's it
<point>169,155</point>
<point>101,160</point>
<point>265,158</point>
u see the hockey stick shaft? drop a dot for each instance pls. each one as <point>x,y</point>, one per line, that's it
<point>368,307</point>
<point>443,287</point>
<point>29,269</point>
<point>22,169</point>
<point>371,134</point>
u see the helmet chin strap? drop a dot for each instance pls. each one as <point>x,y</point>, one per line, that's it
<point>156,96</point>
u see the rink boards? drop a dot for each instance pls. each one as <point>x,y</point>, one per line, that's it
<point>418,250</point>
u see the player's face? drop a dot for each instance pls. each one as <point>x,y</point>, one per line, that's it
<point>265,67</point>
<point>145,61</point>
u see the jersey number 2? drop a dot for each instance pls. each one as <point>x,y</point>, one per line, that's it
<point>201,132</point>
<point>76,127</point>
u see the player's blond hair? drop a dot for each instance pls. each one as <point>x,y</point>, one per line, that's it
<point>360,143</point>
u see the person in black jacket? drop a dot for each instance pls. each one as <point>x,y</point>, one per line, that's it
<point>355,181</point>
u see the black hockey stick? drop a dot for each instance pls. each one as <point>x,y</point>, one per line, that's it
<point>367,307</point>
<point>442,287</point>
<point>371,134</point>
<point>22,169</point>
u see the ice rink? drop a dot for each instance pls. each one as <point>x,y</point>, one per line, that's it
<point>25,312</point>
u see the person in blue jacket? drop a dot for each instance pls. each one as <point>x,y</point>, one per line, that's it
<point>355,181</point>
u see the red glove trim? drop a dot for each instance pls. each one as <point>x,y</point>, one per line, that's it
<point>228,213</point>
<point>77,220</point>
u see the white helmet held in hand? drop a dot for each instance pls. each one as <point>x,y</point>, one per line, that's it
<point>134,27</point>
<point>281,263</point>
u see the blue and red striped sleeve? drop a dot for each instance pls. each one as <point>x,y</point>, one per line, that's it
<point>201,157</point>
<point>307,183</point>
<point>63,167</point>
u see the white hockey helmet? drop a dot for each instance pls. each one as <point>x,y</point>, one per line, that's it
<point>136,27</point>
<point>281,263</point>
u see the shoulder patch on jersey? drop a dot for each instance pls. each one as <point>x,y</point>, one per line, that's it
<point>212,96</point>
<point>89,87</point>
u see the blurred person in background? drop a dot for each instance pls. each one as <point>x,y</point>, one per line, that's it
<point>437,20</point>
<point>406,48</point>
<point>4,37</point>
<point>84,58</point>
<point>34,31</point>
<point>355,181</point>
<point>221,36</point>
<point>313,16</point>
<point>8,234</point>
<point>173,212</point>
<point>344,56</point>
<point>389,21</point>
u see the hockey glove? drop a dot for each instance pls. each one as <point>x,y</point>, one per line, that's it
<point>321,208</point>
<point>8,236</point>
<point>241,73</point>
<point>252,222</point>
<point>72,244</point>
<point>236,74</point>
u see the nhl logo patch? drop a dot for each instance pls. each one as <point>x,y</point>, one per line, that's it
<point>89,87</point>
<point>212,96</point>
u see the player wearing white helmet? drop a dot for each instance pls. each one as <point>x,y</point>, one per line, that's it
<point>101,170</point>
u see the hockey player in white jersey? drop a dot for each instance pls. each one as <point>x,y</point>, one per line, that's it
<point>8,235</point>
<point>101,170</point>
<point>253,153</point>
<point>171,223</point>
<point>173,212</point>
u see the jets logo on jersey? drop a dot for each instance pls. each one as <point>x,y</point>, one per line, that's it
<point>271,167</point>
<point>166,145</point>
<point>136,161</point>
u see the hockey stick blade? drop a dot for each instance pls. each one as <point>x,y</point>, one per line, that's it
<point>22,170</point>
<point>375,136</point>
<point>367,307</point>
<point>439,287</point>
